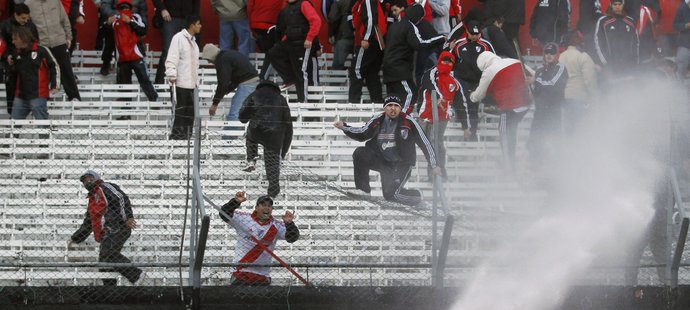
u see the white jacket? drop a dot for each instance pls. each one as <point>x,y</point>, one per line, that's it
<point>182,62</point>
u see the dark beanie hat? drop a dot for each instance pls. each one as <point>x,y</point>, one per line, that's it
<point>391,100</point>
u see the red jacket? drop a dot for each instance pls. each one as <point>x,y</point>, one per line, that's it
<point>263,14</point>
<point>365,17</point>
<point>127,37</point>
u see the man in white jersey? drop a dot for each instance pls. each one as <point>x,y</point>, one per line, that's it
<point>260,224</point>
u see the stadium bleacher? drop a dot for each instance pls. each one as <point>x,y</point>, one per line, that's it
<point>44,203</point>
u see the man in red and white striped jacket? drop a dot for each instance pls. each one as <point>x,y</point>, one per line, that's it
<point>504,82</point>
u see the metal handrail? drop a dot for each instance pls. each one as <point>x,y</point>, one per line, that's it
<point>683,234</point>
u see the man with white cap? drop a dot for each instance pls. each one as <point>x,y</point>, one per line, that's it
<point>390,138</point>
<point>109,216</point>
<point>234,73</point>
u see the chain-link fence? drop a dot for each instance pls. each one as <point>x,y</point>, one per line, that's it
<point>344,240</point>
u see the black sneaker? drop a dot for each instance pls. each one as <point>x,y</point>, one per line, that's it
<point>105,69</point>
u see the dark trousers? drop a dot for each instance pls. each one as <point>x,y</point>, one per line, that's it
<point>124,76</point>
<point>271,163</point>
<point>365,67</point>
<point>507,128</point>
<point>291,61</point>
<point>109,252</point>
<point>406,90</point>
<point>184,114</point>
<point>69,82</point>
<point>168,30</point>
<point>393,176</point>
<point>265,40</point>
<point>545,132</point>
<point>108,44</point>
<point>467,111</point>
<point>10,87</point>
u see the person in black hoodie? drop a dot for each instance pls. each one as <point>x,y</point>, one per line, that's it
<point>550,20</point>
<point>270,124</point>
<point>493,32</point>
<point>20,18</point>
<point>402,39</point>
<point>513,11</point>
<point>234,73</point>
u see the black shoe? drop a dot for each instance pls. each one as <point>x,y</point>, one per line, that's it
<point>105,69</point>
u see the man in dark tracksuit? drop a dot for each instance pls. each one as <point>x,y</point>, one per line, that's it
<point>109,215</point>
<point>616,42</point>
<point>298,26</point>
<point>466,71</point>
<point>402,40</point>
<point>369,22</point>
<point>390,139</point>
<point>270,125</point>
<point>550,20</point>
<point>549,95</point>
<point>20,18</point>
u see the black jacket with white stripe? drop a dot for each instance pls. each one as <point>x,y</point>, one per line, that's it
<point>549,85</point>
<point>407,133</point>
<point>402,39</point>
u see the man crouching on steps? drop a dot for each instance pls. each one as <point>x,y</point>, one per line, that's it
<point>390,137</point>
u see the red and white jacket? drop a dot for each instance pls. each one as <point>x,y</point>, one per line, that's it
<point>246,250</point>
<point>127,37</point>
<point>504,80</point>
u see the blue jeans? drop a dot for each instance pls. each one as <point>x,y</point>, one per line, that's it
<point>241,93</point>
<point>37,106</point>
<point>342,48</point>
<point>228,30</point>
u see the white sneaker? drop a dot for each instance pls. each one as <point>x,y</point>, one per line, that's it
<point>251,165</point>
<point>141,279</point>
<point>358,193</point>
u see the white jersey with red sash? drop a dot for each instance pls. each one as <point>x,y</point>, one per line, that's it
<point>246,250</point>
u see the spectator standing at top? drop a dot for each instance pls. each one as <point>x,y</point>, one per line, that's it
<point>20,18</point>
<point>493,32</point>
<point>616,42</point>
<point>582,86</point>
<point>261,224</point>
<point>340,34</point>
<point>466,51</point>
<point>550,21</point>
<point>390,149</point>
<point>263,17</point>
<point>402,39</point>
<point>270,124</point>
<point>369,21</point>
<point>234,24</point>
<point>75,14</point>
<point>513,12</point>
<point>181,68</point>
<point>37,76</point>
<point>549,94</point>
<point>108,9</point>
<point>504,81</point>
<point>440,12</point>
<point>681,23</point>
<point>128,28</point>
<point>298,26</point>
<point>439,82</point>
<point>234,73</point>
<point>55,33</point>
<point>174,14</point>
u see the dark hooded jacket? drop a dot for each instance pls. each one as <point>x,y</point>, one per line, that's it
<point>402,39</point>
<point>268,114</point>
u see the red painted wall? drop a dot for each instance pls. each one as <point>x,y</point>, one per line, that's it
<point>209,34</point>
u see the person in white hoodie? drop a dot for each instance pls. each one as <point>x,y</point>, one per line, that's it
<point>181,68</point>
<point>503,81</point>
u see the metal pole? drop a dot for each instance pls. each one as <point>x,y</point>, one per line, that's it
<point>194,226</point>
<point>434,209</point>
